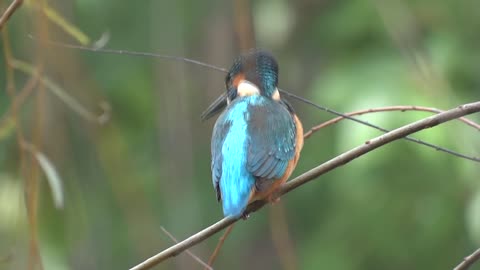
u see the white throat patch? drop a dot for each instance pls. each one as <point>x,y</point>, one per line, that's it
<point>246,88</point>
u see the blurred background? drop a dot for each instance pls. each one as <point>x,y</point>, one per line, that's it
<point>123,152</point>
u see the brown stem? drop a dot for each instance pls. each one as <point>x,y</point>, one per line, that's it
<point>468,261</point>
<point>313,174</point>
<point>195,257</point>
<point>281,237</point>
<point>20,98</point>
<point>385,109</point>
<point>10,10</point>
<point>219,245</point>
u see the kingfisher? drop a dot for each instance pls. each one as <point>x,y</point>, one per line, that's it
<point>257,139</point>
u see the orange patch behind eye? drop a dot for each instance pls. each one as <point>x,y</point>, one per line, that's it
<point>237,79</point>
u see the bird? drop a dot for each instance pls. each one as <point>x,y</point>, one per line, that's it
<point>257,139</point>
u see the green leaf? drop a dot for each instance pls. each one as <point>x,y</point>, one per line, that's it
<point>53,177</point>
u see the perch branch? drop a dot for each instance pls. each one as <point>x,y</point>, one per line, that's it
<point>438,148</point>
<point>468,261</point>
<point>195,257</point>
<point>312,174</point>
<point>291,95</point>
<point>219,245</point>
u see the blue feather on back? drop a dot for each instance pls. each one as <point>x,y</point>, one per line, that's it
<point>230,158</point>
<point>254,138</point>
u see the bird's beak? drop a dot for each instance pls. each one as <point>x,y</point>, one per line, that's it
<point>215,107</point>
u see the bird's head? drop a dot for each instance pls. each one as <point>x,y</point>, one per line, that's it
<point>253,73</point>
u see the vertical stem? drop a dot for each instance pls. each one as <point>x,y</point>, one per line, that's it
<point>219,246</point>
<point>10,85</point>
<point>281,237</point>
<point>33,172</point>
<point>243,24</point>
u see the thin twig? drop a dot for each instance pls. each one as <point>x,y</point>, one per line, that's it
<point>313,174</point>
<point>196,258</point>
<point>30,189</point>
<point>10,10</point>
<point>70,101</point>
<point>187,243</point>
<point>408,138</point>
<point>291,95</point>
<point>386,109</point>
<point>20,98</point>
<point>468,261</point>
<point>222,239</point>
<point>38,117</point>
<point>133,53</point>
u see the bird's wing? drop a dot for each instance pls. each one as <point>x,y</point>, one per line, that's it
<point>218,137</point>
<point>272,133</point>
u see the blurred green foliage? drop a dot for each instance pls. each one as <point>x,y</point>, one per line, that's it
<point>403,206</point>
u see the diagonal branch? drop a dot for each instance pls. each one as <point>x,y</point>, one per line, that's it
<point>385,109</point>
<point>219,245</point>
<point>70,101</point>
<point>223,97</point>
<point>10,10</point>
<point>313,174</point>
<point>468,261</point>
<point>408,138</point>
<point>195,257</point>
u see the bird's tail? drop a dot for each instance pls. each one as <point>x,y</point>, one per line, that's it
<point>236,189</point>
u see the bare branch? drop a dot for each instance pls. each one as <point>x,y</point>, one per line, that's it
<point>385,109</point>
<point>223,96</point>
<point>70,101</point>
<point>196,258</point>
<point>408,138</point>
<point>219,245</point>
<point>313,174</point>
<point>19,99</point>
<point>281,238</point>
<point>134,53</point>
<point>468,261</point>
<point>10,10</point>
<point>187,243</point>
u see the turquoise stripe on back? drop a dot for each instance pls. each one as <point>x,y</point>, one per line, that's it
<point>236,181</point>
